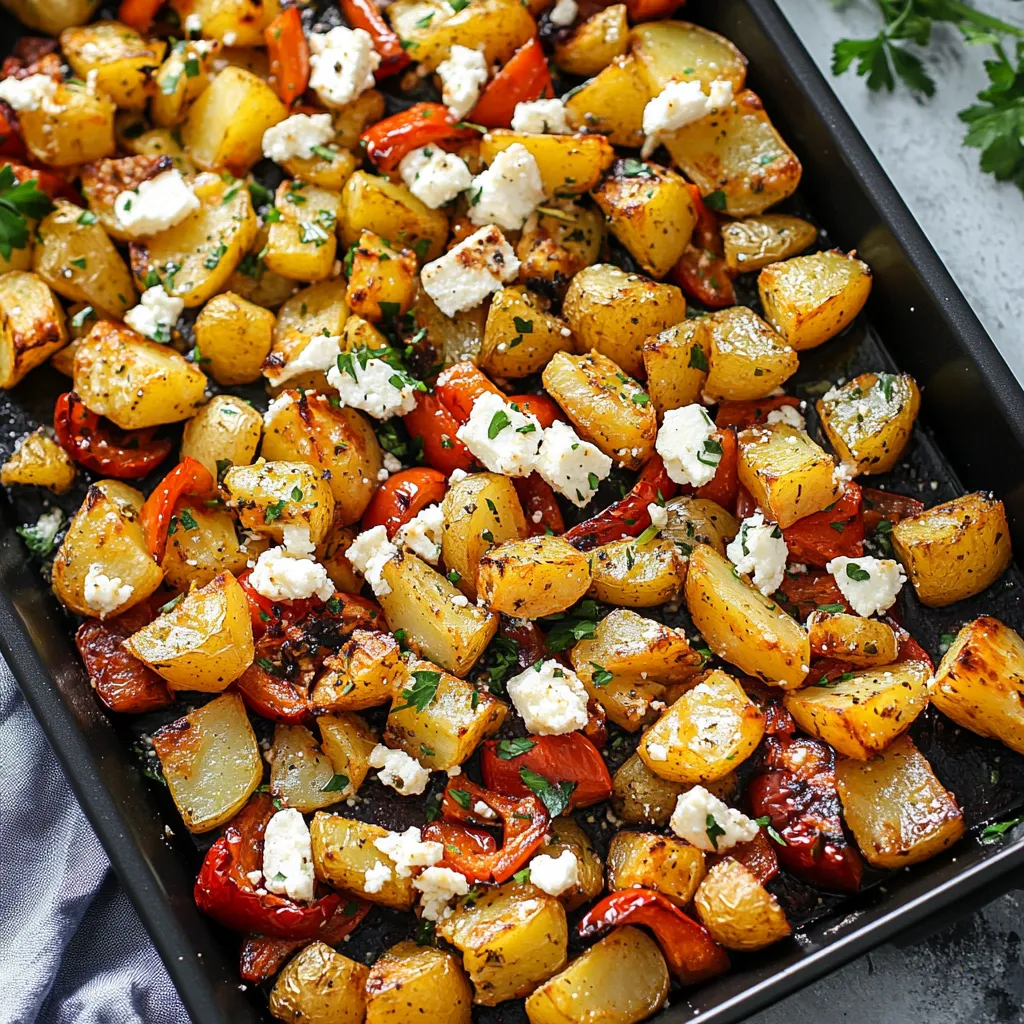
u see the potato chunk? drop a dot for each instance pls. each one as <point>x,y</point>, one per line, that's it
<point>533,577</point>
<point>202,543</point>
<point>411,983</point>
<point>511,938</point>
<point>677,361</point>
<point>31,325</point>
<point>301,774</point>
<point>348,741</point>
<point>862,715</point>
<point>810,299</point>
<point>39,460</point>
<point>612,102</point>
<point>211,761</point>
<point>320,986</point>
<point>390,210</point>
<point>382,279</point>
<point>748,359</point>
<point>234,337</point>
<point>366,672</point>
<point>595,43</point>
<point>955,550</point>
<point>520,337</point>
<point>754,242</point>
<point>640,797</point>
<point>555,245</point>
<point>567,835</point>
<point>852,638</point>
<point>121,60</point>
<point>225,431</point>
<point>651,861</point>
<point>698,521</point>
<point>76,126</point>
<point>737,910</point>
<point>302,242</point>
<point>679,51</point>
<point>569,164</point>
<point>637,576</point>
<point>898,811</point>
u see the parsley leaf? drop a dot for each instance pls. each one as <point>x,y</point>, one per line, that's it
<point>507,749</point>
<point>714,830</point>
<point>577,623</point>
<point>19,203</point>
<point>998,829</point>
<point>554,795</point>
<point>422,691</point>
<point>338,784</point>
<point>501,656</point>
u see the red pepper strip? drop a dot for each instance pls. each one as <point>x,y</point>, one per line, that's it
<point>910,649</point>
<point>365,14</point>
<point>704,276</point>
<point>545,409</point>
<point>460,385</point>
<point>524,823</point>
<point>423,124</point>
<point>818,538</point>
<point>139,14</point>
<point>692,955</point>
<point>628,517</point>
<point>569,758</point>
<point>726,481</point>
<point>11,143</point>
<point>271,696</point>
<point>758,856</point>
<point>651,10</point>
<point>436,427</point>
<point>879,505</point>
<point>536,495</point>
<point>188,478</point>
<point>289,54</point>
<point>746,414</point>
<point>524,78</point>
<point>528,640</point>
<point>261,958</point>
<point>271,618</point>
<point>826,670</point>
<point>805,592</point>
<point>745,504</point>
<point>32,60</point>
<point>100,446</point>
<point>402,497</point>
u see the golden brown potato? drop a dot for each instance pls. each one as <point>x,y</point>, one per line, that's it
<point>698,521</point>
<point>317,311</point>
<point>567,835</point>
<point>211,761</point>
<point>569,164</point>
<point>348,741</point>
<point>367,671</point>
<point>382,279</point>
<point>410,982</point>
<point>651,861</point>
<point>234,337</point>
<point>520,337</point>
<point>74,127</point>
<point>180,79</point>
<point>135,382</point>
<point>737,910</point>
<point>677,361</point>
<point>606,407</point>
<point>594,43</point>
<point>352,120</point>
<point>39,460</point>
<point>239,23</point>
<point>31,325</point>
<point>980,681</point>
<point>301,774</point>
<point>302,242</point>
<point>511,938</point>
<point>639,797</point>
<point>897,810</point>
<point>678,51</point>
<point>852,638</point>
<point>622,979</point>
<point>52,16</point>
<point>741,625</point>
<point>637,575</point>
<point>955,550</point>
<point>615,312</point>
<point>320,986</point>
<point>202,543</point>
<point>225,431</point>
<point>612,103</point>
<point>810,299</point>
<point>104,180</point>
<point>533,577</point>
<point>747,358</point>
<point>252,281</point>
<point>861,714</point>
<point>754,242</point>
<point>557,241</point>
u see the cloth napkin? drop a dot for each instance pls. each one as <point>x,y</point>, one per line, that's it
<point>72,949</point>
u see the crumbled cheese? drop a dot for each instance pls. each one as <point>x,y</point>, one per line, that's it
<point>504,440</point>
<point>408,850</point>
<point>296,541</point>
<point>156,313</point>
<point>28,93</point>
<point>397,769</point>
<point>658,514</point>
<point>508,191</point>
<point>155,206</point>
<point>288,855</point>
<point>786,414</point>
<point>844,472</point>
<point>554,875</point>
<point>550,698</point>
<point>193,24</point>
<point>374,877</point>
<point>697,811</point>
<point>422,534</point>
<point>570,465</point>
<point>391,463</point>
<point>564,13</point>
<point>105,594</point>
<point>457,476</point>
<point>657,751</point>
<point>541,117</point>
<point>278,405</point>
<point>342,64</point>
<point>369,553</point>
<point>871,585</point>
<point>295,137</point>
<point>760,551</point>
<point>685,443</point>
<point>434,176</point>
<point>680,104</point>
<point>483,810</point>
<point>319,355</point>
<point>462,75</point>
<point>470,271</point>
<point>281,576</point>
<point>374,388</point>
<point>437,888</point>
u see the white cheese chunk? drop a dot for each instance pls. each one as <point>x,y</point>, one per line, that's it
<point>541,117</point>
<point>288,856</point>
<point>570,465</point>
<point>686,444</point>
<point>463,76</point>
<point>550,698</point>
<point>786,414</point>
<point>156,313</point>
<point>105,594</point>
<point>342,64</point>
<point>760,551</point>
<point>408,850</point>
<point>658,514</point>
<point>280,576</point>
<point>709,824</point>
<point>296,541</point>
<point>295,137</point>
<point>28,93</point>
<point>680,104</point>
<point>564,13</point>
<point>369,553</point>
<point>508,191</point>
<point>155,206</point>
<point>434,176</point>
<point>319,355</point>
<point>375,388</point>
<point>422,534</point>
<point>465,275</point>
<point>504,440</point>
<point>554,875</point>
<point>437,888</point>
<point>404,774</point>
<point>871,585</point>
<point>375,876</point>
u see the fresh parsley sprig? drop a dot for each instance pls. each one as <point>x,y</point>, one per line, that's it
<point>20,202</point>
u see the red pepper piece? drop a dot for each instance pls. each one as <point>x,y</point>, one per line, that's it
<point>726,482</point>
<point>701,271</point>
<point>628,517</point>
<point>139,14</point>
<point>651,10</point>
<point>423,124</point>
<point>436,427</point>
<point>289,54</point>
<point>365,14</point>
<point>460,385</point>
<point>692,955</point>
<point>402,497</point>
<point>53,183</point>
<point>188,478</point>
<point>758,857</point>
<point>818,538</point>
<point>102,447</point>
<point>11,143</point>
<point>569,758</point>
<point>272,696</point>
<point>528,640</point>
<point>879,505</point>
<point>526,77</point>
<point>536,495</point>
<point>547,410</point>
<point>805,592</point>
<point>747,413</point>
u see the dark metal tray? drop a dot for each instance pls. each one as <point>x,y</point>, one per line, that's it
<point>973,413</point>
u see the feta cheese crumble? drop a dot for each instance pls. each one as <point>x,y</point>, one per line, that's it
<point>288,856</point>
<point>374,877</point>
<point>408,850</point>
<point>508,191</point>
<point>434,176</point>
<point>422,534</point>
<point>281,575</point>
<point>541,117</point>
<point>462,75</point>
<point>570,465</point>
<point>658,514</point>
<point>155,206</point>
<point>504,440</point>
<point>319,355</point>
<point>657,751</point>
<point>342,64</point>
<point>554,875</point>
<point>688,447</point>
<point>871,585</point>
<point>404,774</point>
<point>760,551</point>
<point>28,93</point>
<point>375,388</point>
<point>786,414</point>
<point>564,13</point>
<point>437,888</point>
<point>156,313</point>
<point>295,137</point>
<point>550,698</point>
<point>709,824</point>
<point>680,104</point>
<point>105,594</point>
<point>465,275</point>
<point>368,554</point>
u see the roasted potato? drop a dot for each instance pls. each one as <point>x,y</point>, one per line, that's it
<point>809,299</point>
<point>234,337</point>
<point>202,543</point>
<point>382,279</point>
<point>74,127</point>
<point>180,80</point>
<point>319,311</point>
<point>320,986</point>
<point>698,521</point>
<point>677,361</point>
<point>367,671</point>
<point>409,982</point>
<point>52,16</point>
<point>251,280</point>
<point>852,638</point>
<point>104,180</point>
<point>595,43</point>
<point>302,242</point>
<point>737,910</point>
<point>639,797</point>
<point>754,242</point>
<point>301,774</point>
<point>533,577</point>
<point>520,337</point>
<point>954,550</point>
<point>31,325</point>
<point>567,835</point>
<point>676,51</point>
<point>612,102</point>
<point>211,761</point>
<point>633,575</point>
<point>225,431</point>
<point>123,61</point>
<point>747,358</point>
<point>39,460</point>
<point>651,861</point>
<point>558,241</point>
<point>236,22</point>
<point>569,164</point>
<point>348,741</point>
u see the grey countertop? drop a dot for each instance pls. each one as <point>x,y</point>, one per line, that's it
<point>973,971</point>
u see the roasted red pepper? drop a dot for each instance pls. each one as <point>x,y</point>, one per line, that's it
<point>365,14</point>
<point>436,427</point>
<point>839,530</point>
<point>460,385</point>
<point>747,413</point>
<point>139,14</point>
<point>545,409</point>
<point>188,478</point>
<point>878,505</point>
<point>53,183</point>
<point>524,823</point>
<point>272,696</point>
<point>536,495</point>
<point>423,124</point>
<point>805,592</point>
<point>11,143</point>
<point>270,618</point>
<point>289,54</point>
<point>692,955</point>
<point>528,640</point>
<point>651,10</point>
<point>526,77</point>
<point>402,497</point>
<point>224,891</point>
<point>701,271</point>
<point>726,482</point>
<point>100,446</point>
<point>628,517</point>
<point>757,856</point>
<point>569,758</point>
